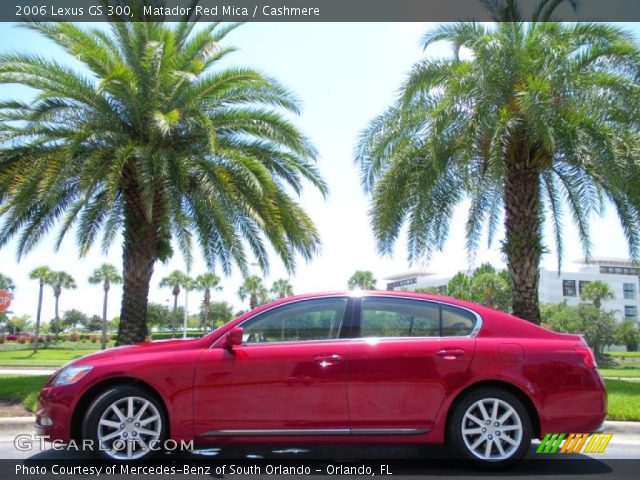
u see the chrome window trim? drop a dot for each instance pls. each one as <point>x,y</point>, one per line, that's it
<point>285,304</point>
<point>474,333</point>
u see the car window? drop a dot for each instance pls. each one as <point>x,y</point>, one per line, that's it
<point>319,319</point>
<point>456,322</point>
<point>390,317</point>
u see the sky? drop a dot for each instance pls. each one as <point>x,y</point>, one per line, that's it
<point>344,74</point>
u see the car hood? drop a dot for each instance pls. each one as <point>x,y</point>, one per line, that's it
<point>157,346</point>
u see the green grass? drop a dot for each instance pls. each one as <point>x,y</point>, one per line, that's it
<point>14,346</point>
<point>623,354</point>
<point>22,388</point>
<point>624,400</point>
<point>620,372</point>
<point>44,358</point>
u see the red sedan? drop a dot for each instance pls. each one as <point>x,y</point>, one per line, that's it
<point>336,367</point>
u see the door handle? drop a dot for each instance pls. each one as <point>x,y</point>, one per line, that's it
<point>450,353</point>
<point>328,359</point>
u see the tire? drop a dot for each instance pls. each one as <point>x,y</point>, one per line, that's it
<point>502,442</point>
<point>135,433</point>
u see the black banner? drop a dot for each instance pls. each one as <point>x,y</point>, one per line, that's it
<point>300,10</point>
<point>394,469</point>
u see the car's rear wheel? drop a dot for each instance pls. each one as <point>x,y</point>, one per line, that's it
<point>491,427</point>
<point>125,423</point>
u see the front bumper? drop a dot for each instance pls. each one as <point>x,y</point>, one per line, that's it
<point>54,413</point>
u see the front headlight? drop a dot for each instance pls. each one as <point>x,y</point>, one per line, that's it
<point>72,374</point>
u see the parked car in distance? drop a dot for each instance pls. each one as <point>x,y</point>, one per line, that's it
<point>375,366</point>
<point>14,336</point>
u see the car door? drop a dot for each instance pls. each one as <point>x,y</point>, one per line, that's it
<point>408,356</point>
<point>287,378</point>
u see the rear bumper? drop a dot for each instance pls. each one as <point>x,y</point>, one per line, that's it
<point>577,411</point>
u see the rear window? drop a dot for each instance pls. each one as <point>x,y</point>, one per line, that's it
<point>397,317</point>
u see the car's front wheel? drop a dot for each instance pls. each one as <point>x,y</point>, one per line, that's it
<point>491,427</point>
<point>125,423</point>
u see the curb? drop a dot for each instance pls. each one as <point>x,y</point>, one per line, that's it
<point>17,425</point>
<point>632,428</point>
<point>10,424</point>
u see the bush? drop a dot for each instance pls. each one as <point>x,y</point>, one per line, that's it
<point>167,335</point>
<point>41,339</point>
<point>628,334</point>
<point>73,337</point>
<point>2,339</point>
<point>21,340</point>
<point>597,326</point>
<point>94,338</point>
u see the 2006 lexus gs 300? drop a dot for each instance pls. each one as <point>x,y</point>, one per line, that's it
<point>336,367</point>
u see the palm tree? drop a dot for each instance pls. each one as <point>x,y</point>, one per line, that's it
<point>105,274</point>
<point>253,288</point>
<point>595,292</point>
<point>207,281</point>
<point>158,144</point>
<point>174,280</point>
<point>536,117</point>
<point>6,283</point>
<point>58,281</point>
<point>41,274</point>
<point>282,288</point>
<point>363,280</point>
<point>221,313</point>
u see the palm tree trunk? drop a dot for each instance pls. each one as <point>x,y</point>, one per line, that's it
<point>57,303</point>
<point>103,338</point>
<point>37,339</point>
<point>138,262</point>
<point>174,318</point>
<point>139,255</point>
<point>206,318</point>
<point>523,242</point>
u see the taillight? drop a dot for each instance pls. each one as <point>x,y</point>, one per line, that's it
<point>587,356</point>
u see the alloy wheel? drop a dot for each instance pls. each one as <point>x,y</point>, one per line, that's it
<point>129,428</point>
<point>491,429</point>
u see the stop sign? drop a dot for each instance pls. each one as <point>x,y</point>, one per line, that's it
<point>5,300</point>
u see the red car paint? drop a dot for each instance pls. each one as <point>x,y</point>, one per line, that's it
<point>353,386</point>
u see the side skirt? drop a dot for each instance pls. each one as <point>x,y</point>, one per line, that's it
<point>314,432</point>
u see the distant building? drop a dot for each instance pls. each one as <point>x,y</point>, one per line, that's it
<point>623,276</point>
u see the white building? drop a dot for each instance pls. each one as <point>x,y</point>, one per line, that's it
<point>623,276</point>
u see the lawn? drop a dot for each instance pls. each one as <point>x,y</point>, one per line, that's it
<point>21,389</point>
<point>623,354</point>
<point>44,358</point>
<point>624,400</point>
<point>620,372</point>
<point>61,345</point>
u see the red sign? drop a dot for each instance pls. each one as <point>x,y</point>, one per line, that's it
<point>5,300</point>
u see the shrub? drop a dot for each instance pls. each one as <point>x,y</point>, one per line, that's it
<point>73,337</point>
<point>167,335</point>
<point>94,338</point>
<point>21,340</point>
<point>597,326</point>
<point>2,339</point>
<point>628,334</point>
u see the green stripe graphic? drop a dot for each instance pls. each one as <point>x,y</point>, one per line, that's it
<point>550,443</point>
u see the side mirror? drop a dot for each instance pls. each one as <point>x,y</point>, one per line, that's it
<point>234,337</point>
